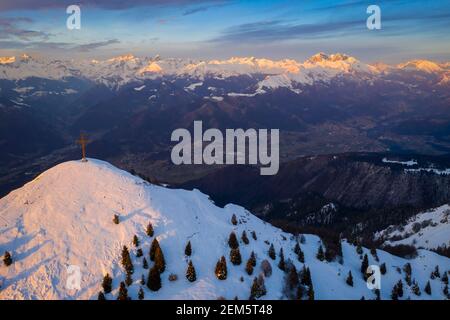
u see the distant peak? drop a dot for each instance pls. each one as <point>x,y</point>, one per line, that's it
<point>423,65</point>
<point>25,57</point>
<point>152,67</point>
<point>7,60</point>
<point>125,57</point>
<point>323,57</point>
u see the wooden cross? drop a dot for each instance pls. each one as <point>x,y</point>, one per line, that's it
<point>83,141</point>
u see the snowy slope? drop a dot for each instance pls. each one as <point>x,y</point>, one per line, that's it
<point>430,229</point>
<point>64,217</point>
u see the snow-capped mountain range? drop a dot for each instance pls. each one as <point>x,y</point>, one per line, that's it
<point>64,218</point>
<point>121,70</point>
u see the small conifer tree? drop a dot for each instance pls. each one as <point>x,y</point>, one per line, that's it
<point>428,288</point>
<point>154,246</point>
<point>234,220</point>
<point>135,241</point>
<point>232,241</point>
<point>141,294</point>
<point>249,267</point>
<point>154,279</point>
<point>101,296</point>
<point>144,264</point>
<point>116,219</point>
<point>444,278</point>
<point>235,256</point>
<point>221,269</point>
<point>349,280</point>
<point>7,259</point>
<point>252,259</point>
<point>128,279</point>
<point>190,272</point>
<point>272,252</point>
<point>123,292</point>
<point>320,254</point>
<point>149,231</point>
<point>245,238</point>
<point>188,249</point>
<point>415,288</point>
<point>364,266</point>
<point>311,292</point>
<point>126,260</point>
<point>282,263</point>
<point>107,283</point>
<point>383,268</point>
<point>160,262</point>
<point>254,236</point>
<point>258,288</point>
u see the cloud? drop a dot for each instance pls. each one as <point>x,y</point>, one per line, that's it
<point>205,8</point>
<point>50,45</point>
<point>103,4</point>
<point>195,10</point>
<point>278,30</point>
<point>283,30</point>
<point>95,45</point>
<point>10,29</point>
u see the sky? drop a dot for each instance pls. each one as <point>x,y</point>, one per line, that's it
<point>218,29</point>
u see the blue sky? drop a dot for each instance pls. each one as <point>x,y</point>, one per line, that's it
<point>222,28</point>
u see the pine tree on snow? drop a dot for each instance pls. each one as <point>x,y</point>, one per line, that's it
<point>383,268</point>
<point>320,254</point>
<point>235,257</point>
<point>149,231</point>
<point>349,280</point>
<point>245,238</point>
<point>128,279</point>
<point>190,272</point>
<point>232,241</point>
<point>144,264</point>
<point>107,283</point>
<point>364,266</point>
<point>415,288</point>
<point>249,267</point>
<point>252,259</point>
<point>282,263</point>
<point>126,260</point>
<point>272,252</point>
<point>7,259</point>
<point>234,220</point>
<point>188,249</point>
<point>160,262</point>
<point>428,288</point>
<point>135,241</point>
<point>101,296</point>
<point>444,278</point>
<point>221,269</point>
<point>154,279</point>
<point>258,288</point>
<point>141,294</point>
<point>123,292</point>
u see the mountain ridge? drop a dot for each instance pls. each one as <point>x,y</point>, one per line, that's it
<point>65,217</point>
<point>120,70</point>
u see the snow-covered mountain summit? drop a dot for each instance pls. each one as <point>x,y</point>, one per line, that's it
<point>64,218</point>
<point>117,71</point>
